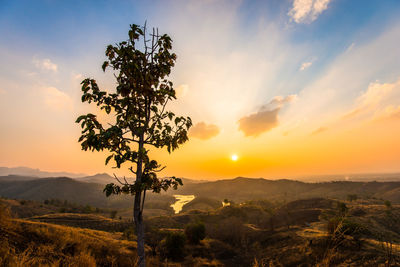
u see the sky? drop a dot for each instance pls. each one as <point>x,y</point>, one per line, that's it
<point>285,87</point>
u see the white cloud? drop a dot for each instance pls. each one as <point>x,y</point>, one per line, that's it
<point>204,131</point>
<point>306,11</point>
<point>305,65</point>
<point>45,64</point>
<point>56,99</point>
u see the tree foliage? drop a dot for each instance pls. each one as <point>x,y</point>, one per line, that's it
<point>195,232</point>
<point>139,117</point>
<point>138,108</point>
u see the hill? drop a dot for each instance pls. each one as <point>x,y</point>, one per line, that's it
<point>26,243</point>
<point>100,178</point>
<point>241,189</point>
<point>306,232</point>
<point>25,171</point>
<point>64,188</point>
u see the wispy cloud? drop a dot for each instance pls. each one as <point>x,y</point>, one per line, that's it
<point>56,99</point>
<point>305,65</point>
<point>319,130</point>
<point>389,113</point>
<point>204,131</point>
<point>266,118</point>
<point>375,95</point>
<point>45,64</point>
<point>306,11</point>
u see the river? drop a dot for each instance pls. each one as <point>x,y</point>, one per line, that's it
<point>181,200</point>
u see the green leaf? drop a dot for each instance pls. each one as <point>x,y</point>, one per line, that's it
<point>105,65</point>
<point>108,159</point>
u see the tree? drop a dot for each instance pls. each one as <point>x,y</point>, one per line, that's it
<point>195,232</point>
<point>173,246</point>
<point>139,117</point>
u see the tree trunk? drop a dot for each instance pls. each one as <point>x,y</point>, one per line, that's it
<point>138,218</point>
<point>137,211</point>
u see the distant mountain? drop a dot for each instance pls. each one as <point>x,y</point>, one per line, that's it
<point>241,189</point>
<point>25,171</point>
<point>104,178</point>
<point>100,178</point>
<point>357,177</point>
<point>72,190</point>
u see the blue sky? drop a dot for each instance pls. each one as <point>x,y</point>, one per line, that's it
<point>320,58</point>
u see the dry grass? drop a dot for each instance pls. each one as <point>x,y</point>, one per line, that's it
<point>37,244</point>
<point>26,243</point>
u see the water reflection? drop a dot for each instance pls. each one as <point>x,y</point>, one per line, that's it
<point>181,200</point>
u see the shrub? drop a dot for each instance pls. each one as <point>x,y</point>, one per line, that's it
<point>345,226</point>
<point>113,214</point>
<point>352,197</point>
<point>129,233</point>
<point>342,208</point>
<point>388,204</point>
<point>195,232</point>
<point>173,246</point>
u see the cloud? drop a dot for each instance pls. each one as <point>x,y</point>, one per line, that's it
<point>306,11</point>
<point>204,131</point>
<point>45,64</point>
<point>266,118</point>
<point>56,99</point>
<point>319,130</point>
<point>390,113</point>
<point>372,98</point>
<point>77,76</point>
<point>2,91</point>
<point>182,90</point>
<point>305,65</point>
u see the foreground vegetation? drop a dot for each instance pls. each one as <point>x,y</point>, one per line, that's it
<point>28,243</point>
<point>309,232</point>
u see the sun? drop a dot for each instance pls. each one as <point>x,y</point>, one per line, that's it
<point>234,157</point>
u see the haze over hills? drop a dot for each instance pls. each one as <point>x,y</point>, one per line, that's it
<point>365,177</point>
<point>25,171</point>
<point>242,189</point>
<point>89,190</point>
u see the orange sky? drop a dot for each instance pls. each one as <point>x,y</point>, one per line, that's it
<point>282,93</point>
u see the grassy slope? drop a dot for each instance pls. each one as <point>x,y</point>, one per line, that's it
<point>26,243</point>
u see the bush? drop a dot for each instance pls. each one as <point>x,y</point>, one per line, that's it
<point>195,232</point>
<point>342,208</point>
<point>352,197</point>
<point>129,233</point>
<point>344,226</point>
<point>173,246</point>
<point>113,214</point>
<point>4,216</point>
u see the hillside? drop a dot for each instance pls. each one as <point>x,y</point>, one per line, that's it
<point>307,232</point>
<point>237,190</point>
<point>64,188</point>
<point>242,189</point>
<point>26,243</point>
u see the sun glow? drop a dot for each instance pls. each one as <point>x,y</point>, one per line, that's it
<point>234,157</point>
